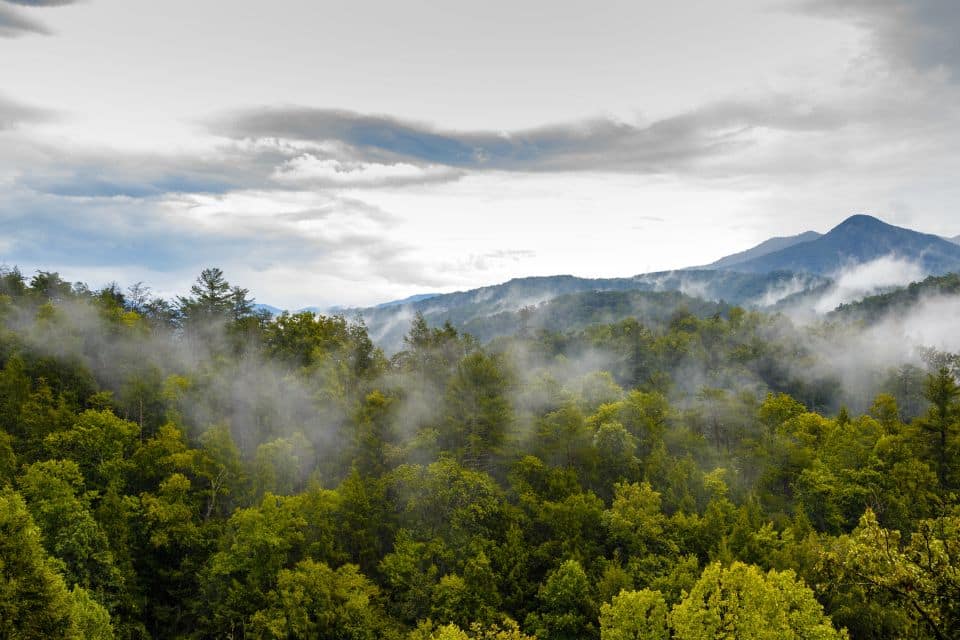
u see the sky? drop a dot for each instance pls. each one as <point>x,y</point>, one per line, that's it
<point>335,153</point>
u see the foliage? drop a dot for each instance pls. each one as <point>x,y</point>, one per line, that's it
<point>640,466</point>
<point>741,601</point>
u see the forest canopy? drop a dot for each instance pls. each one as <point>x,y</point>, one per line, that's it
<point>196,468</point>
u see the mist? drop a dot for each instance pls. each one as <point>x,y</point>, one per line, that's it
<point>868,278</point>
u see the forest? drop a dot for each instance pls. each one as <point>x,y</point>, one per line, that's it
<point>195,468</point>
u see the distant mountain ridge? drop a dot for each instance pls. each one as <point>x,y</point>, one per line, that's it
<point>408,300</point>
<point>777,272</point>
<point>468,309</point>
<point>764,248</point>
<point>858,239</point>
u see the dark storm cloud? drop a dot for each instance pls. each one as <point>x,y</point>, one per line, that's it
<point>920,33</point>
<point>598,144</point>
<point>14,24</point>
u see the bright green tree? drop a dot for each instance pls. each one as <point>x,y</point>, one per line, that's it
<point>740,601</point>
<point>90,618</point>
<point>311,600</point>
<point>635,615</point>
<point>919,574</point>
<point>101,444</point>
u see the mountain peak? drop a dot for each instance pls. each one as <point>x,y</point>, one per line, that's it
<point>858,239</point>
<point>861,221</point>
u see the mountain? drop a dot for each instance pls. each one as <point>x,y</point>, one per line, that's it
<point>859,239</point>
<point>481,311</point>
<point>782,273</point>
<point>409,300</point>
<point>954,239</point>
<point>762,249</point>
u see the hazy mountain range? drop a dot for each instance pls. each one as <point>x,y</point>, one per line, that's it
<point>856,240</point>
<point>861,256</point>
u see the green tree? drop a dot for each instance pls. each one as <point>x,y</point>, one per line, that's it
<point>505,630</point>
<point>616,456</point>
<point>54,491</point>
<point>411,572</point>
<point>172,548</point>
<point>220,471</point>
<point>919,574</point>
<point>8,459</point>
<point>740,601</point>
<point>213,298</point>
<point>467,599</point>
<point>280,466</point>
<point>635,615</point>
<point>256,544</point>
<point>311,600</point>
<point>101,444</point>
<point>34,601</point>
<point>477,410</point>
<point>14,391</point>
<point>942,421</point>
<point>91,620</point>
<point>374,434</point>
<point>363,519</point>
<point>564,439</point>
<point>48,285</point>
<point>567,610</point>
<point>635,520</point>
<point>41,414</point>
<point>445,501</point>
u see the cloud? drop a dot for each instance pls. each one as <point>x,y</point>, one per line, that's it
<point>591,145</point>
<point>231,166</point>
<point>313,170</point>
<point>869,278</point>
<point>327,248</point>
<point>100,172</point>
<point>14,24</point>
<point>14,113</point>
<point>919,33</point>
<point>43,3</point>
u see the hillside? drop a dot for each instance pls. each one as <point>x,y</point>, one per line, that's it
<point>576,311</point>
<point>874,308</point>
<point>489,311</point>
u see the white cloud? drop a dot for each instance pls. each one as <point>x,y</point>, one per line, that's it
<point>308,169</point>
<point>868,278</point>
